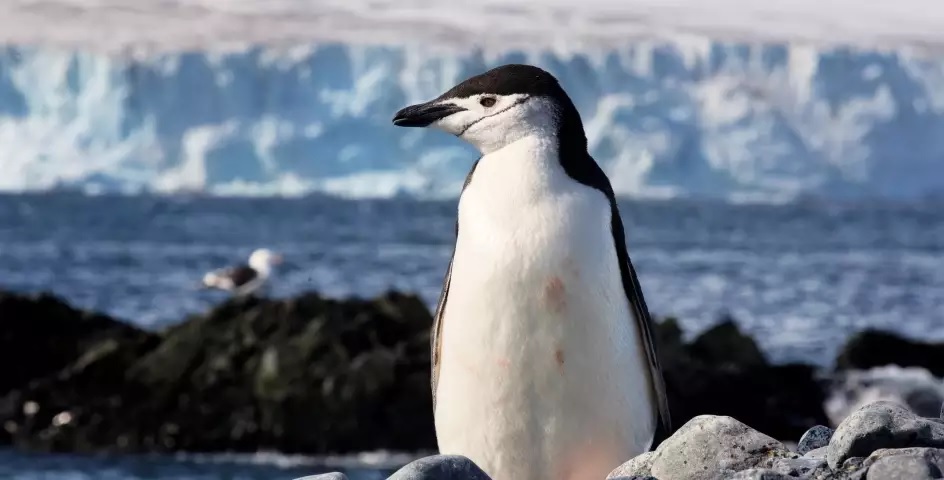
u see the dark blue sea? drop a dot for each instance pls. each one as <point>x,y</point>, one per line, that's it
<point>800,277</point>
<point>28,466</point>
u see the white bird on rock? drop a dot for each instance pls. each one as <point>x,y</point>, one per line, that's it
<point>245,279</point>
<point>544,366</point>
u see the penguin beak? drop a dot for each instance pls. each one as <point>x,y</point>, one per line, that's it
<point>423,114</point>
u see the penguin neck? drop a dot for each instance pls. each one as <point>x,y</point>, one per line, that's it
<point>572,142</point>
<point>529,163</point>
<point>263,269</point>
<point>575,159</point>
<point>523,190</point>
<point>523,175</point>
<point>544,153</point>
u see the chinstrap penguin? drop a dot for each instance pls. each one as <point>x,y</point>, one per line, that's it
<point>544,366</point>
<point>244,279</point>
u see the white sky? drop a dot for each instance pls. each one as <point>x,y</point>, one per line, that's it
<point>176,24</point>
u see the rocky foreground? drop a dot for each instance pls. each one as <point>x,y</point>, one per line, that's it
<point>318,375</point>
<point>881,441</point>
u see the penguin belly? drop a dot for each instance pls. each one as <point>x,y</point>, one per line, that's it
<point>542,375</point>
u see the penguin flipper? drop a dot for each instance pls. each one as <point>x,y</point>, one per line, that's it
<point>435,337</point>
<point>643,323</point>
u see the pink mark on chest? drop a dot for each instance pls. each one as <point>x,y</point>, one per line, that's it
<point>588,463</point>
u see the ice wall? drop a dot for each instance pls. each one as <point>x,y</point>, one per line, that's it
<point>665,118</point>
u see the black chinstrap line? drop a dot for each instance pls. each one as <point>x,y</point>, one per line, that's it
<point>509,107</point>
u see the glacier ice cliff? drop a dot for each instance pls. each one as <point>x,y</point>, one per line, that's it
<point>765,122</point>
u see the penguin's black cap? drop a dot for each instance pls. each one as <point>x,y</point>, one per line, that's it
<point>504,80</point>
<point>508,80</point>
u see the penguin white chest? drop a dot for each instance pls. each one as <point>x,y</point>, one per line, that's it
<point>543,375</point>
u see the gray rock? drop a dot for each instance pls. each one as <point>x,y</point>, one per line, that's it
<point>799,466</point>
<point>639,466</point>
<point>905,464</point>
<point>441,467</point>
<point>852,464</point>
<point>709,447</point>
<point>758,474</point>
<point>881,425</point>
<point>325,476</point>
<point>819,453</point>
<point>814,438</point>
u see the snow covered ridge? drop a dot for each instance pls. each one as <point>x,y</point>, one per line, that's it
<point>665,118</point>
<point>173,25</point>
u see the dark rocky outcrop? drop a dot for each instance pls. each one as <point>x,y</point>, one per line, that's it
<point>40,335</point>
<point>871,348</point>
<point>878,365</point>
<point>307,374</point>
<point>722,372</point>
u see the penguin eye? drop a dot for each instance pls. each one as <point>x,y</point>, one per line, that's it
<point>487,102</point>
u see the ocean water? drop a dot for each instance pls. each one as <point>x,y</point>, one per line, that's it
<point>28,466</point>
<point>800,277</point>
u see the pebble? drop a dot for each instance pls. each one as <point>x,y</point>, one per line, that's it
<point>818,453</point>
<point>758,474</point>
<point>640,466</point>
<point>441,467</point>
<point>881,425</point>
<point>799,466</point>
<point>709,446</point>
<point>325,476</point>
<point>814,438</point>
<point>852,464</point>
<point>905,464</point>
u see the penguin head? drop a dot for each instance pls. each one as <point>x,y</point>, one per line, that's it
<point>264,259</point>
<point>496,108</point>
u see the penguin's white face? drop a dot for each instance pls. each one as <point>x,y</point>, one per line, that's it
<point>489,122</point>
<point>492,110</point>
